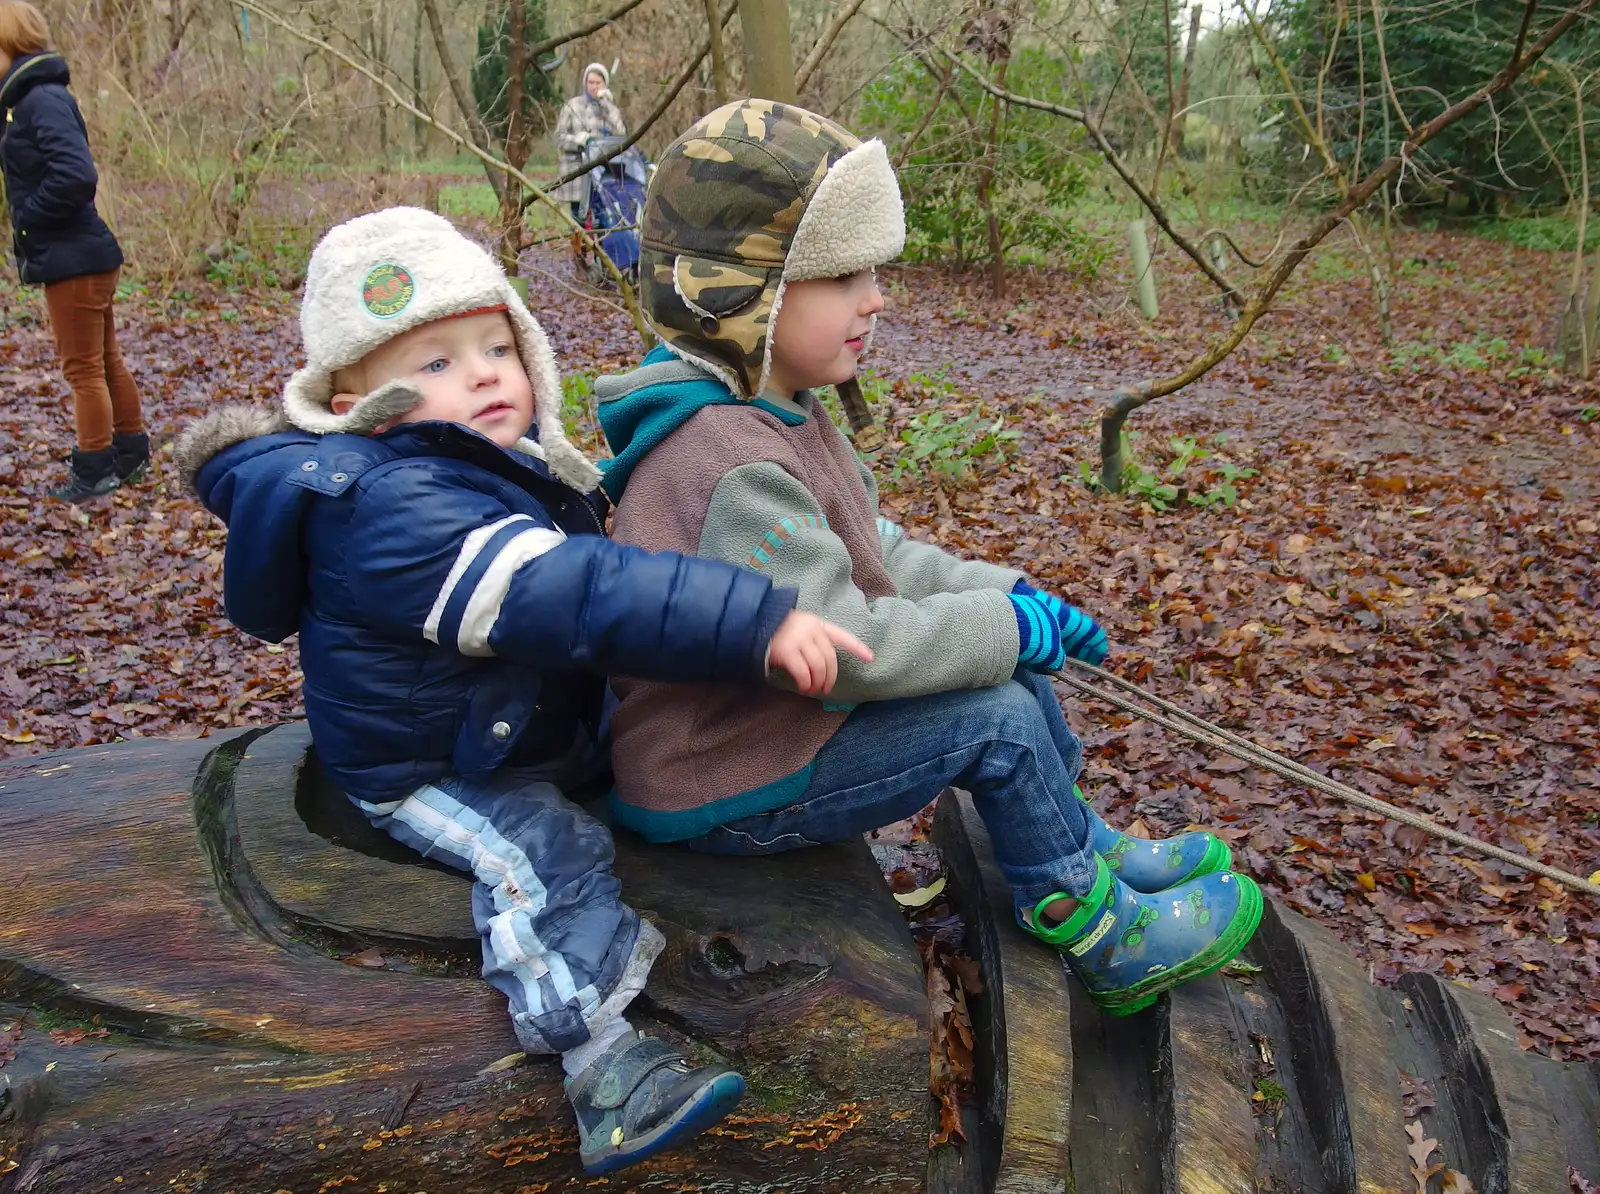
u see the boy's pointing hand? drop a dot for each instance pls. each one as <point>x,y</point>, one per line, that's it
<point>807,648</point>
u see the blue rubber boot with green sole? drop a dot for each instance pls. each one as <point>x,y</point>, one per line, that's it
<point>1128,947</point>
<point>1151,866</point>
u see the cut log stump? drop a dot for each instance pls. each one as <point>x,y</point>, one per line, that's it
<point>226,980</point>
<point>1285,1079</point>
<point>217,977</point>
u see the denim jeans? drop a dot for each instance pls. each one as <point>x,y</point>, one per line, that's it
<point>1008,745</point>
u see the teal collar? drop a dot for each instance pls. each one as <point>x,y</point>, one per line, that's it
<point>793,411</point>
<point>641,409</point>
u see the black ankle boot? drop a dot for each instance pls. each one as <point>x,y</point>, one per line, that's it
<point>132,455</point>
<point>94,474</point>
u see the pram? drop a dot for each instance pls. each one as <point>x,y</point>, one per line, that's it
<point>612,204</point>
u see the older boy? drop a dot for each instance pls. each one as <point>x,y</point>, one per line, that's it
<point>762,229</point>
<point>456,600</point>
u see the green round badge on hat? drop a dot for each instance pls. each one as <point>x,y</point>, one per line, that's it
<point>387,290</point>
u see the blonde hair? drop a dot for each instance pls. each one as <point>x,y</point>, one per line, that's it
<point>23,29</point>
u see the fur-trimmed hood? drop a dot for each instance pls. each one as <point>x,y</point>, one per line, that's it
<point>222,429</point>
<point>757,195</point>
<point>211,435</point>
<point>264,478</point>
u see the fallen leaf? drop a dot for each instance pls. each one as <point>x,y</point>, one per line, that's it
<point>73,1036</point>
<point>1297,544</point>
<point>1419,1150</point>
<point>921,896</point>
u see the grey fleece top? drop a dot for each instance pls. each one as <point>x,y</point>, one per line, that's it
<point>775,487</point>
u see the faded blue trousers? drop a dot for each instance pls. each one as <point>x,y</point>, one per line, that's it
<point>1008,745</point>
<point>558,941</point>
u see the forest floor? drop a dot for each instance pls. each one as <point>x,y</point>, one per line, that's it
<point>1403,594</point>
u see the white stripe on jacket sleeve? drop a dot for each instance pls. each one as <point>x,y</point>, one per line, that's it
<point>483,607</point>
<point>470,547</point>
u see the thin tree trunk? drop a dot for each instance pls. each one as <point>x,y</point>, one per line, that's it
<point>1580,363</point>
<point>768,60</point>
<point>517,140</point>
<point>991,161</point>
<point>378,49</point>
<point>1180,117</point>
<point>419,128</point>
<point>999,53</point>
<point>1591,305</point>
<point>476,131</point>
<point>1380,282</point>
<point>719,66</point>
<point>1172,97</point>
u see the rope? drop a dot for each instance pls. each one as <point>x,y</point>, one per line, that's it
<point>1199,730</point>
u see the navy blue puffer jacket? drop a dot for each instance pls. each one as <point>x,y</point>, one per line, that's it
<point>456,605</point>
<point>50,177</point>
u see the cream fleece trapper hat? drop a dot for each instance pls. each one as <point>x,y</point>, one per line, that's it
<point>377,276</point>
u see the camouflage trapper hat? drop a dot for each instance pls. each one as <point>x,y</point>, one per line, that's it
<point>756,195</point>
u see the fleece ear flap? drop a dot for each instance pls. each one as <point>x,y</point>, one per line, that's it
<point>306,396</point>
<point>569,465</point>
<point>854,221</point>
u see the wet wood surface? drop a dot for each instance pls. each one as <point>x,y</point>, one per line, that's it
<point>1021,1023</point>
<point>172,896</point>
<point>183,927</point>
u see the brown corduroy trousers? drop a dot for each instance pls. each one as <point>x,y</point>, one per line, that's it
<point>104,397</point>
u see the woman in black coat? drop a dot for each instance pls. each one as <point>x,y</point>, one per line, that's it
<point>62,244</point>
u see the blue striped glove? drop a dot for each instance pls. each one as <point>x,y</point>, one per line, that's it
<point>1081,636</point>
<point>1038,634</point>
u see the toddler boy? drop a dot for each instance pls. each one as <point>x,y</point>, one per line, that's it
<point>457,602</point>
<point>763,226</point>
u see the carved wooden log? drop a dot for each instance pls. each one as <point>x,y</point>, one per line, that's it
<point>1167,1100</point>
<point>193,900</point>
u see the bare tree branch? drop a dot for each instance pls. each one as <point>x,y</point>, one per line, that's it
<point>1092,125</point>
<point>1383,60</point>
<point>594,26</point>
<point>841,18</point>
<point>665,102</point>
<point>629,298</point>
<point>910,143</point>
<point>1522,31</point>
<point>719,65</point>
